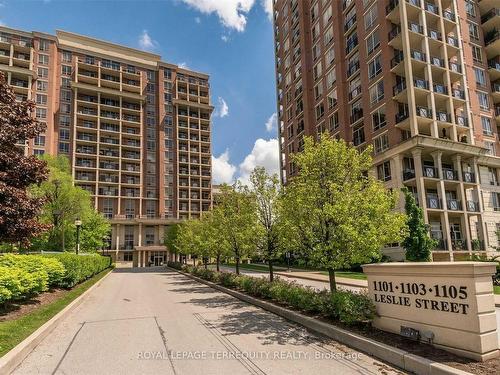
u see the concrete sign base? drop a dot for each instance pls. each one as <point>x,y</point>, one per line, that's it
<point>447,304</point>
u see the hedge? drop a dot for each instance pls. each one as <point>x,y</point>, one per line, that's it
<point>22,276</point>
<point>345,306</point>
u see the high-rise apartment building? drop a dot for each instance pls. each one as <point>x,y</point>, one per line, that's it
<point>136,130</point>
<point>420,81</point>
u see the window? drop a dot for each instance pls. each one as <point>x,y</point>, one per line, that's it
<point>320,111</point>
<point>384,171</point>
<point>43,59</point>
<point>480,76</point>
<point>470,8</point>
<point>64,147</point>
<point>330,56</point>
<point>317,71</point>
<point>381,143</point>
<point>372,42</point>
<point>40,140</point>
<point>486,124</point>
<point>332,99</point>
<point>41,99</point>
<point>378,119</point>
<point>374,67</point>
<point>64,120</point>
<point>331,77</point>
<point>43,45</point>
<point>66,82</point>
<point>492,176</point>
<point>377,92</point>
<point>473,31</point>
<point>65,108</point>
<point>66,70</point>
<point>43,73</point>
<point>65,95</point>
<point>41,113</point>
<point>66,56</point>
<point>38,152</point>
<point>64,134</point>
<point>318,90</point>
<point>333,122</point>
<point>41,85</point>
<point>484,102</point>
<point>371,17</point>
<point>490,146</point>
<point>495,201</point>
<point>358,135</point>
<point>327,15</point>
<point>477,54</point>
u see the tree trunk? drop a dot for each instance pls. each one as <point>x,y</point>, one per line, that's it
<point>271,273</point>
<point>205,261</point>
<point>237,265</point>
<point>218,263</point>
<point>194,262</point>
<point>333,283</point>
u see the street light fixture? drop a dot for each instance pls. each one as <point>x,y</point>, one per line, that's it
<point>78,224</point>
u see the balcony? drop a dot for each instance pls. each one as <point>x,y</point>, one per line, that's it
<point>434,203</point>
<point>408,174</point>
<point>459,244</point>
<point>492,42</point>
<point>494,69</point>
<point>472,206</point>
<point>450,174</point>
<point>392,10</point>
<point>443,117</point>
<point>454,205</point>
<point>424,112</point>
<point>440,89</point>
<point>352,68</point>
<point>449,15</point>
<point>430,172</point>
<point>469,177</point>
<point>462,121</point>
<point>420,83</point>
<point>491,20</point>
<point>431,8</point>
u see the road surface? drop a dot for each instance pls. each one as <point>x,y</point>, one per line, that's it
<point>152,321</point>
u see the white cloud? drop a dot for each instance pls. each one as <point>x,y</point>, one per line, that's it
<point>268,7</point>
<point>197,19</point>
<point>225,38</point>
<point>232,13</point>
<point>223,108</point>
<point>272,123</point>
<point>222,170</point>
<point>183,65</point>
<point>264,154</point>
<point>146,42</point>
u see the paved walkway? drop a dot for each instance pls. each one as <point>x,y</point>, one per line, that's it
<point>130,323</point>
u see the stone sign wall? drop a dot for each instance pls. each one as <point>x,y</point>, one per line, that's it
<point>448,304</point>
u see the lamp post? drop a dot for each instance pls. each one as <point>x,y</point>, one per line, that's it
<point>78,224</point>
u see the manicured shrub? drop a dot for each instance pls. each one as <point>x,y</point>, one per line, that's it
<point>345,306</point>
<point>36,263</point>
<point>17,283</point>
<point>175,265</point>
<point>80,267</point>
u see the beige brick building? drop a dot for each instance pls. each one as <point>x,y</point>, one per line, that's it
<point>420,81</point>
<point>136,129</point>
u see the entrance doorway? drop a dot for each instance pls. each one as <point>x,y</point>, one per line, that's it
<point>157,258</point>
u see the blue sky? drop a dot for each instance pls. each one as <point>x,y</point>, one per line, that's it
<point>231,40</point>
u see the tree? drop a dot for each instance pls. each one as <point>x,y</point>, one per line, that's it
<point>65,203</point>
<point>236,221</point>
<point>170,239</point>
<point>418,244</point>
<point>338,215</point>
<point>18,208</point>
<point>267,191</point>
<point>185,241</point>
<point>212,242</point>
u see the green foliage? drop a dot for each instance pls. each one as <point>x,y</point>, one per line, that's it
<point>337,214</point>
<point>80,267</point>
<point>170,238</point>
<point>235,221</point>
<point>36,263</point>
<point>418,244</point>
<point>347,307</point>
<point>22,276</point>
<point>175,265</point>
<point>65,203</point>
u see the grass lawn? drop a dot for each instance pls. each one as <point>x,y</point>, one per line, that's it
<point>496,289</point>
<point>12,332</point>
<point>264,267</point>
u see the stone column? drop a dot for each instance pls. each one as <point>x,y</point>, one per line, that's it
<point>417,161</point>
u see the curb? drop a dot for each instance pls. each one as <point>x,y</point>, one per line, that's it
<point>315,279</point>
<point>394,356</point>
<point>16,355</point>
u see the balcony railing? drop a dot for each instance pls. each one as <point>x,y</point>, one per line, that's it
<point>408,174</point>
<point>436,61</point>
<point>450,174</point>
<point>449,15</point>
<point>392,4</point>
<point>431,8</point>
<point>398,88</point>
<point>454,205</point>
<point>469,177</point>
<point>472,206</point>
<point>443,116</point>
<point>430,172</point>
<point>420,83</point>
<point>434,203</point>
<point>424,112</point>
<point>462,121</point>
<point>492,13</point>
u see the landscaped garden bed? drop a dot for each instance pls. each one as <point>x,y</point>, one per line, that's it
<point>347,310</point>
<point>34,288</point>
